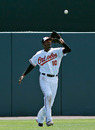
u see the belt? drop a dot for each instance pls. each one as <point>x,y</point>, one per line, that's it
<point>49,75</point>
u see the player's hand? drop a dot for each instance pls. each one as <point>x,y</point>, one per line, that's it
<point>21,78</point>
<point>61,41</point>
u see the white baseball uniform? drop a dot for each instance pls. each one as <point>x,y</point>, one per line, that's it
<point>49,63</point>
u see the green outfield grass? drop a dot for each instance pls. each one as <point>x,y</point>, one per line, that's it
<point>60,124</point>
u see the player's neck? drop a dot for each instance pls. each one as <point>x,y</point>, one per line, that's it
<point>47,49</point>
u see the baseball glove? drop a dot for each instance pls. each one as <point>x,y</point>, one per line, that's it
<point>54,34</point>
<point>56,38</point>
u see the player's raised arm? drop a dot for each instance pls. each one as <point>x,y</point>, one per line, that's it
<point>67,48</point>
<point>56,38</point>
<point>30,67</point>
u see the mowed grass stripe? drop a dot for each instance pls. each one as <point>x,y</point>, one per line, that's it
<point>62,124</point>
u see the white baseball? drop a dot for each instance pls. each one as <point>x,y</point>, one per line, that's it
<point>66,11</point>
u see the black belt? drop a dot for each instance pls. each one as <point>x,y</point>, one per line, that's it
<point>49,75</point>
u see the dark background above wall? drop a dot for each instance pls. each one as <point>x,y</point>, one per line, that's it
<point>47,15</point>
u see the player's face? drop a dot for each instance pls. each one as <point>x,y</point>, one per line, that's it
<point>47,45</point>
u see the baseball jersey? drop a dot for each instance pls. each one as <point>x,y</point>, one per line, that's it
<point>49,62</point>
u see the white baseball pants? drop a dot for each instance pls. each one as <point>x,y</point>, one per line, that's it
<point>49,87</point>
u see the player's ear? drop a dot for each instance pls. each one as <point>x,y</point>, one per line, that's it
<point>42,43</point>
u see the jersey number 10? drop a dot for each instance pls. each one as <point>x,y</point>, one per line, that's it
<point>54,62</point>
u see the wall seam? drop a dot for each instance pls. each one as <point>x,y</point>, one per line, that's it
<point>11,77</point>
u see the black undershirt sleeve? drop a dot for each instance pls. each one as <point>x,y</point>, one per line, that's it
<point>67,48</point>
<point>30,67</point>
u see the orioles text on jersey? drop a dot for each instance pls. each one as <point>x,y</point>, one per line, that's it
<point>46,59</point>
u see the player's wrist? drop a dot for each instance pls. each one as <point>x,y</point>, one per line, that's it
<point>23,75</point>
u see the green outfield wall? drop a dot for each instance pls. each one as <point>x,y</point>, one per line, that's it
<point>47,15</point>
<point>76,91</point>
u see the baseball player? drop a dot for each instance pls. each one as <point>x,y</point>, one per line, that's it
<point>49,60</point>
